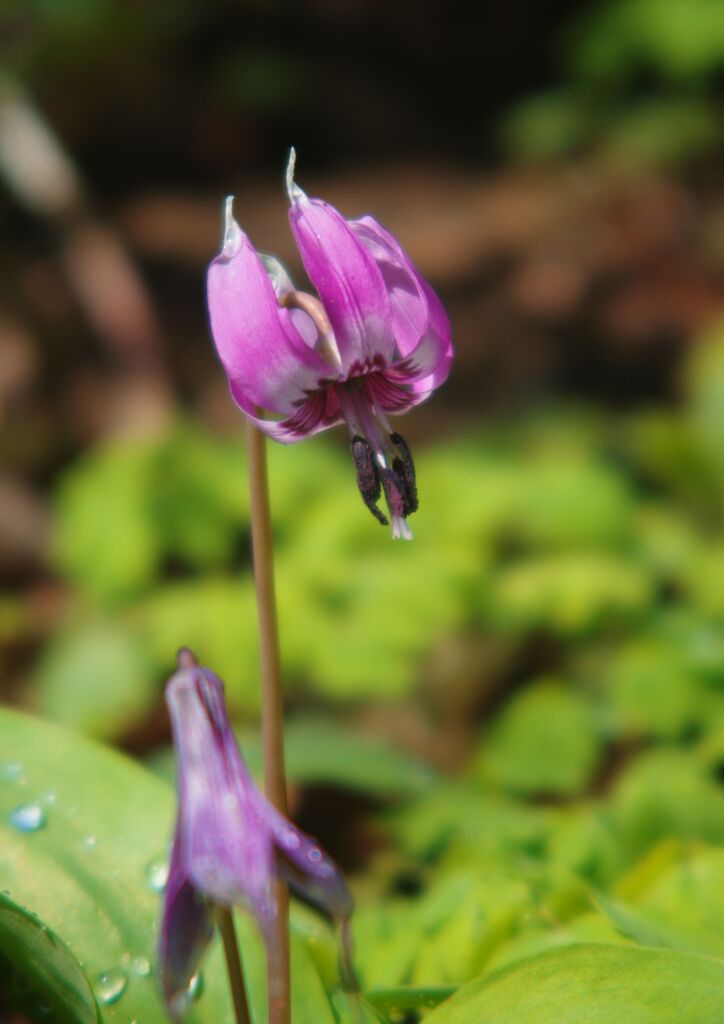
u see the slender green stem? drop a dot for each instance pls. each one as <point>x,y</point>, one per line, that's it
<point>272,703</point>
<point>233,966</point>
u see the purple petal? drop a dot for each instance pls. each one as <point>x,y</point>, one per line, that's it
<point>348,281</point>
<point>186,930</point>
<point>420,324</point>
<point>319,411</point>
<point>264,355</point>
<point>224,847</point>
<point>231,845</point>
<point>308,871</point>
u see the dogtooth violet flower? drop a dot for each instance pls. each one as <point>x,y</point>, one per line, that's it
<point>229,844</point>
<point>375,342</point>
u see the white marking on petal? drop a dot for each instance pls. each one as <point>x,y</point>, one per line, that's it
<point>293,190</point>
<point>232,232</point>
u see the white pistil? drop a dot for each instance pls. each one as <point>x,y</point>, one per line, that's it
<point>232,231</point>
<point>400,529</point>
<point>293,190</point>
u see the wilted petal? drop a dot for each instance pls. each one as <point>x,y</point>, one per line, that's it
<point>348,282</point>
<point>420,324</point>
<point>264,355</point>
<point>231,845</point>
<point>309,872</point>
<point>224,846</point>
<point>186,930</point>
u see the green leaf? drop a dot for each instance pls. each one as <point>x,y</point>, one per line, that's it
<point>519,754</point>
<point>105,540</point>
<point>568,593</point>
<point>598,984</point>
<point>408,997</point>
<point>324,751</point>
<point>572,502</point>
<point>652,689</point>
<point>50,973</point>
<point>96,678</point>
<point>84,832</point>
<point>666,794</point>
<point>82,829</point>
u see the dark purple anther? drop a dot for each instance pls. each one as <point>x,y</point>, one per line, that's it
<point>405,469</point>
<point>368,476</point>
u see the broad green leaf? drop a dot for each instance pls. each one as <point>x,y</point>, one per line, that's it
<point>323,751</point>
<point>568,593</point>
<point>572,502</point>
<point>408,997</point>
<point>652,689</point>
<point>105,541</point>
<point>598,984</point>
<point>84,832</point>
<point>216,618</point>
<point>523,754</point>
<point>50,974</point>
<point>679,893</point>
<point>665,794</point>
<point>95,677</point>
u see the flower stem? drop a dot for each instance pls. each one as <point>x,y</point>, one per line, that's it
<point>233,966</point>
<point>272,704</point>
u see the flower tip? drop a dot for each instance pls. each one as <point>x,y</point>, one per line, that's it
<point>293,190</point>
<point>232,232</point>
<point>186,659</point>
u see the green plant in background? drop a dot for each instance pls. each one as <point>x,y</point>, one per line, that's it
<point>640,83</point>
<point>581,558</point>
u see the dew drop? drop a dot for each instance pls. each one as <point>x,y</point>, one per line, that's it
<point>157,874</point>
<point>28,818</point>
<point>90,842</point>
<point>141,966</point>
<point>110,985</point>
<point>315,854</point>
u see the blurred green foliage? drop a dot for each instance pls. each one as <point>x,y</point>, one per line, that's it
<point>578,554</point>
<point>602,536</point>
<point>640,82</point>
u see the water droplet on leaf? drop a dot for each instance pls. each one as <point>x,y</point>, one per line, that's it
<point>141,966</point>
<point>157,874</point>
<point>110,985</point>
<point>90,842</point>
<point>28,818</point>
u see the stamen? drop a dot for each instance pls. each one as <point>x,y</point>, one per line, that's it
<point>326,346</point>
<point>394,493</point>
<point>405,469</point>
<point>368,476</point>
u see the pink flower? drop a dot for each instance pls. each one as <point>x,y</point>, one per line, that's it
<point>374,343</point>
